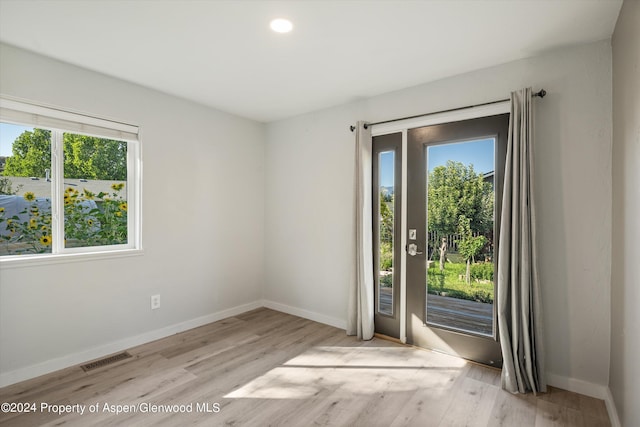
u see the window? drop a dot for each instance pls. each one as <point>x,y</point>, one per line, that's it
<point>69,183</point>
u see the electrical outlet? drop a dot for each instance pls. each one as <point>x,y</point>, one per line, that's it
<point>155,302</point>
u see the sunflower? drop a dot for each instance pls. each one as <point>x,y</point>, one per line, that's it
<point>44,228</point>
<point>118,213</point>
<point>33,224</point>
<point>1,210</point>
<point>117,187</point>
<point>45,240</point>
<point>29,196</point>
<point>123,206</point>
<point>69,190</point>
<point>90,222</point>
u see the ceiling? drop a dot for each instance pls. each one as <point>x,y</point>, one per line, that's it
<point>223,54</point>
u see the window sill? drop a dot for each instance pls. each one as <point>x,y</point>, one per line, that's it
<point>48,259</point>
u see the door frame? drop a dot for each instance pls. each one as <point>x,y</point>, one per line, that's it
<point>402,126</point>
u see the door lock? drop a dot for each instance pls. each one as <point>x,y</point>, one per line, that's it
<point>412,249</point>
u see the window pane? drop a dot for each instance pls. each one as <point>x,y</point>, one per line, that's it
<point>25,190</point>
<point>95,191</point>
<point>460,224</point>
<point>386,187</point>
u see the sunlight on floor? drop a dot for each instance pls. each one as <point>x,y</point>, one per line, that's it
<point>349,371</point>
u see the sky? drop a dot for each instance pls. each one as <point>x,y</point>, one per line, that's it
<point>386,168</point>
<point>8,134</point>
<point>479,152</point>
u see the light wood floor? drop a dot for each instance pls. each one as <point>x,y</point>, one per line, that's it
<point>265,368</point>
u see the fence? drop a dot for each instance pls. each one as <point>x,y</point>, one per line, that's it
<point>435,242</point>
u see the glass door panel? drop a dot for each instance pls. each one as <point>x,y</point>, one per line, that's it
<point>460,223</point>
<point>386,222</point>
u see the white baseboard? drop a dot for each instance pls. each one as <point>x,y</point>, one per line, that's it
<point>28,372</point>
<point>577,386</point>
<point>611,408</point>
<point>311,315</point>
<point>598,391</point>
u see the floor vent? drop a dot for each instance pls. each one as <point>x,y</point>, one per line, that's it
<point>106,361</point>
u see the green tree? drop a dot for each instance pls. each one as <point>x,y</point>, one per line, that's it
<point>469,246</point>
<point>386,219</point>
<point>84,156</point>
<point>31,154</point>
<point>386,231</point>
<point>94,158</point>
<point>456,190</point>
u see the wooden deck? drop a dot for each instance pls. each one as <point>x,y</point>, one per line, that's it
<point>462,314</point>
<point>472,316</point>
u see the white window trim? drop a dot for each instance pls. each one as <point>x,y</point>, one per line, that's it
<point>30,114</point>
<point>55,118</point>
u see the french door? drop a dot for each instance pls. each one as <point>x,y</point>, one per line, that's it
<point>454,174</point>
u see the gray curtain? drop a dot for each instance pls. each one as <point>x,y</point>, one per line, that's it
<point>360,314</point>
<point>519,311</point>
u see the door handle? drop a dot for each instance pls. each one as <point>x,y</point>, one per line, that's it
<point>412,249</point>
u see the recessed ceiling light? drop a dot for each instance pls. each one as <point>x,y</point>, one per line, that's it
<point>281,25</point>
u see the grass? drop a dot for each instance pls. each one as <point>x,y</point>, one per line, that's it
<point>386,281</point>
<point>451,283</point>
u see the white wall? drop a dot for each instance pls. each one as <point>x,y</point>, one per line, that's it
<point>202,197</point>
<point>309,199</point>
<point>625,269</point>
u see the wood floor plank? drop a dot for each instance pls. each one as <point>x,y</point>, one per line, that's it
<point>433,396</point>
<point>223,327</point>
<point>265,368</point>
<point>513,410</point>
<point>485,374</point>
<point>477,398</point>
<point>551,415</point>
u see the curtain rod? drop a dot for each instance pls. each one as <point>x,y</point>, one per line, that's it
<point>540,93</point>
